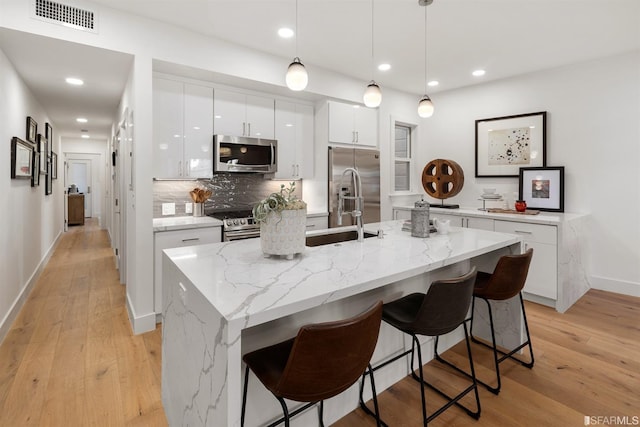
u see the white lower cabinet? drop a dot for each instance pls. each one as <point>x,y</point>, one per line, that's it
<point>317,222</point>
<point>543,272</point>
<point>175,239</point>
<point>465,221</point>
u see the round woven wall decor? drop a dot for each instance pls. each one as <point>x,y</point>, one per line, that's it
<point>442,178</point>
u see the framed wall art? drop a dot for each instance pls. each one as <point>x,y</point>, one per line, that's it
<point>505,144</point>
<point>32,130</point>
<point>54,166</point>
<point>35,176</point>
<point>42,152</point>
<point>48,184</point>
<point>543,188</point>
<point>48,133</point>
<point>21,159</point>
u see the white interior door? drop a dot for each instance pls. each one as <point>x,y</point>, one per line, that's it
<point>79,173</point>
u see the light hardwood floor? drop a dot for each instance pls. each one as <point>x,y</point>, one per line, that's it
<point>70,358</point>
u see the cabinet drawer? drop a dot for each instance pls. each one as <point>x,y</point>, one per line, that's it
<point>530,232</point>
<point>192,237</point>
<point>317,223</point>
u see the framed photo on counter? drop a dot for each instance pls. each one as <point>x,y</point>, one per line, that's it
<point>505,144</point>
<point>543,188</point>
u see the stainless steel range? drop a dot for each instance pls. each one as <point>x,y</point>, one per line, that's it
<point>237,224</point>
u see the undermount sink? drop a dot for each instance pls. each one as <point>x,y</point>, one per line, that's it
<point>329,238</point>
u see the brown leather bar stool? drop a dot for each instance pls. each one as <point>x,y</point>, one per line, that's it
<point>506,281</point>
<point>441,310</point>
<point>322,361</point>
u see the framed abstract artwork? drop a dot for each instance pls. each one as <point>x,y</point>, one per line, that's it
<point>505,144</point>
<point>543,188</point>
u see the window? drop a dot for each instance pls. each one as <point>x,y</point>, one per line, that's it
<point>402,158</point>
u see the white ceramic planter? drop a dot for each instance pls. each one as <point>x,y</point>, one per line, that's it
<point>283,233</point>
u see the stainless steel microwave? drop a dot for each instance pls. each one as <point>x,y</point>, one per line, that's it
<point>244,154</point>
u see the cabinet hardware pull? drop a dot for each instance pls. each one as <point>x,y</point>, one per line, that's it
<point>310,225</point>
<point>523,232</point>
<point>357,136</point>
<point>191,240</point>
<point>244,129</point>
<point>249,126</point>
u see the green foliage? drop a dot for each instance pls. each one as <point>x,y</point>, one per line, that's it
<point>277,202</point>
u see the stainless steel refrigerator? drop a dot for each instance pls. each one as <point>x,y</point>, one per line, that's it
<point>367,163</point>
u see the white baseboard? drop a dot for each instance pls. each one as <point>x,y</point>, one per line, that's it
<point>617,286</point>
<point>140,324</point>
<point>18,303</point>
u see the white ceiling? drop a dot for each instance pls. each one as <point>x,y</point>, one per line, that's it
<point>504,37</point>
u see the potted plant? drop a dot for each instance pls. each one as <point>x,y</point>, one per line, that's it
<point>283,222</point>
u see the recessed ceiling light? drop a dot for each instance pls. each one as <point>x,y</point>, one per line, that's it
<point>478,73</point>
<point>196,128</point>
<point>85,136</point>
<point>81,120</point>
<point>74,81</point>
<point>384,67</point>
<point>285,33</point>
<point>289,125</point>
<point>433,83</point>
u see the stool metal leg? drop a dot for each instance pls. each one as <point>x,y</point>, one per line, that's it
<point>365,408</point>
<point>244,395</point>
<point>496,350</point>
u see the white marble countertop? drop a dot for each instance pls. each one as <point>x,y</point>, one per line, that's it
<point>184,223</point>
<point>244,286</point>
<point>549,218</point>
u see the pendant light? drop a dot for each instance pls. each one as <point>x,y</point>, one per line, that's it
<point>297,77</point>
<point>372,94</point>
<point>425,106</point>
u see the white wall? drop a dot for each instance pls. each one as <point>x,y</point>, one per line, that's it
<point>593,129</point>
<point>30,221</point>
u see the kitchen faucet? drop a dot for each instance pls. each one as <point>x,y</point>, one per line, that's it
<point>357,197</point>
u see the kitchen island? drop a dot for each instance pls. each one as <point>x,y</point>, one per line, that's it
<point>223,300</point>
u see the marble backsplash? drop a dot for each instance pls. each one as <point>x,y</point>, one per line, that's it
<point>230,191</point>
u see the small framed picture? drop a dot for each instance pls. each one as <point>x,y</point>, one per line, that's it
<point>48,133</point>
<point>54,166</point>
<point>32,130</point>
<point>35,176</point>
<point>42,152</point>
<point>21,159</point>
<point>543,188</point>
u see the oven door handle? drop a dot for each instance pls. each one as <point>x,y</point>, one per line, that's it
<point>237,235</point>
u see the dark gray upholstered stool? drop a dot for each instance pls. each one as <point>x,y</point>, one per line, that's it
<point>441,310</point>
<point>506,281</point>
<point>322,361</point>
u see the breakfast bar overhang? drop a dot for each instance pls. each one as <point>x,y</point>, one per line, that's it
<point>223,300</point>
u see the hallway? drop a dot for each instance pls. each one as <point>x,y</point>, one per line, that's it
<point>70,358</point>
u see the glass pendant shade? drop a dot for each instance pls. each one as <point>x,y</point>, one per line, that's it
<point>297,77</point>
<point>425,107</point>
<point>372,95</point>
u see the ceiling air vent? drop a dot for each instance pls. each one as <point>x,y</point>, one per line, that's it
<point>64,14</point>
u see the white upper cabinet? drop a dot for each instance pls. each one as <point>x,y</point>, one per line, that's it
<point>182,130</point>
<point>238,114</point>
<point>294,132</point>
<point>349,124</point>
<point>198,131</point>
